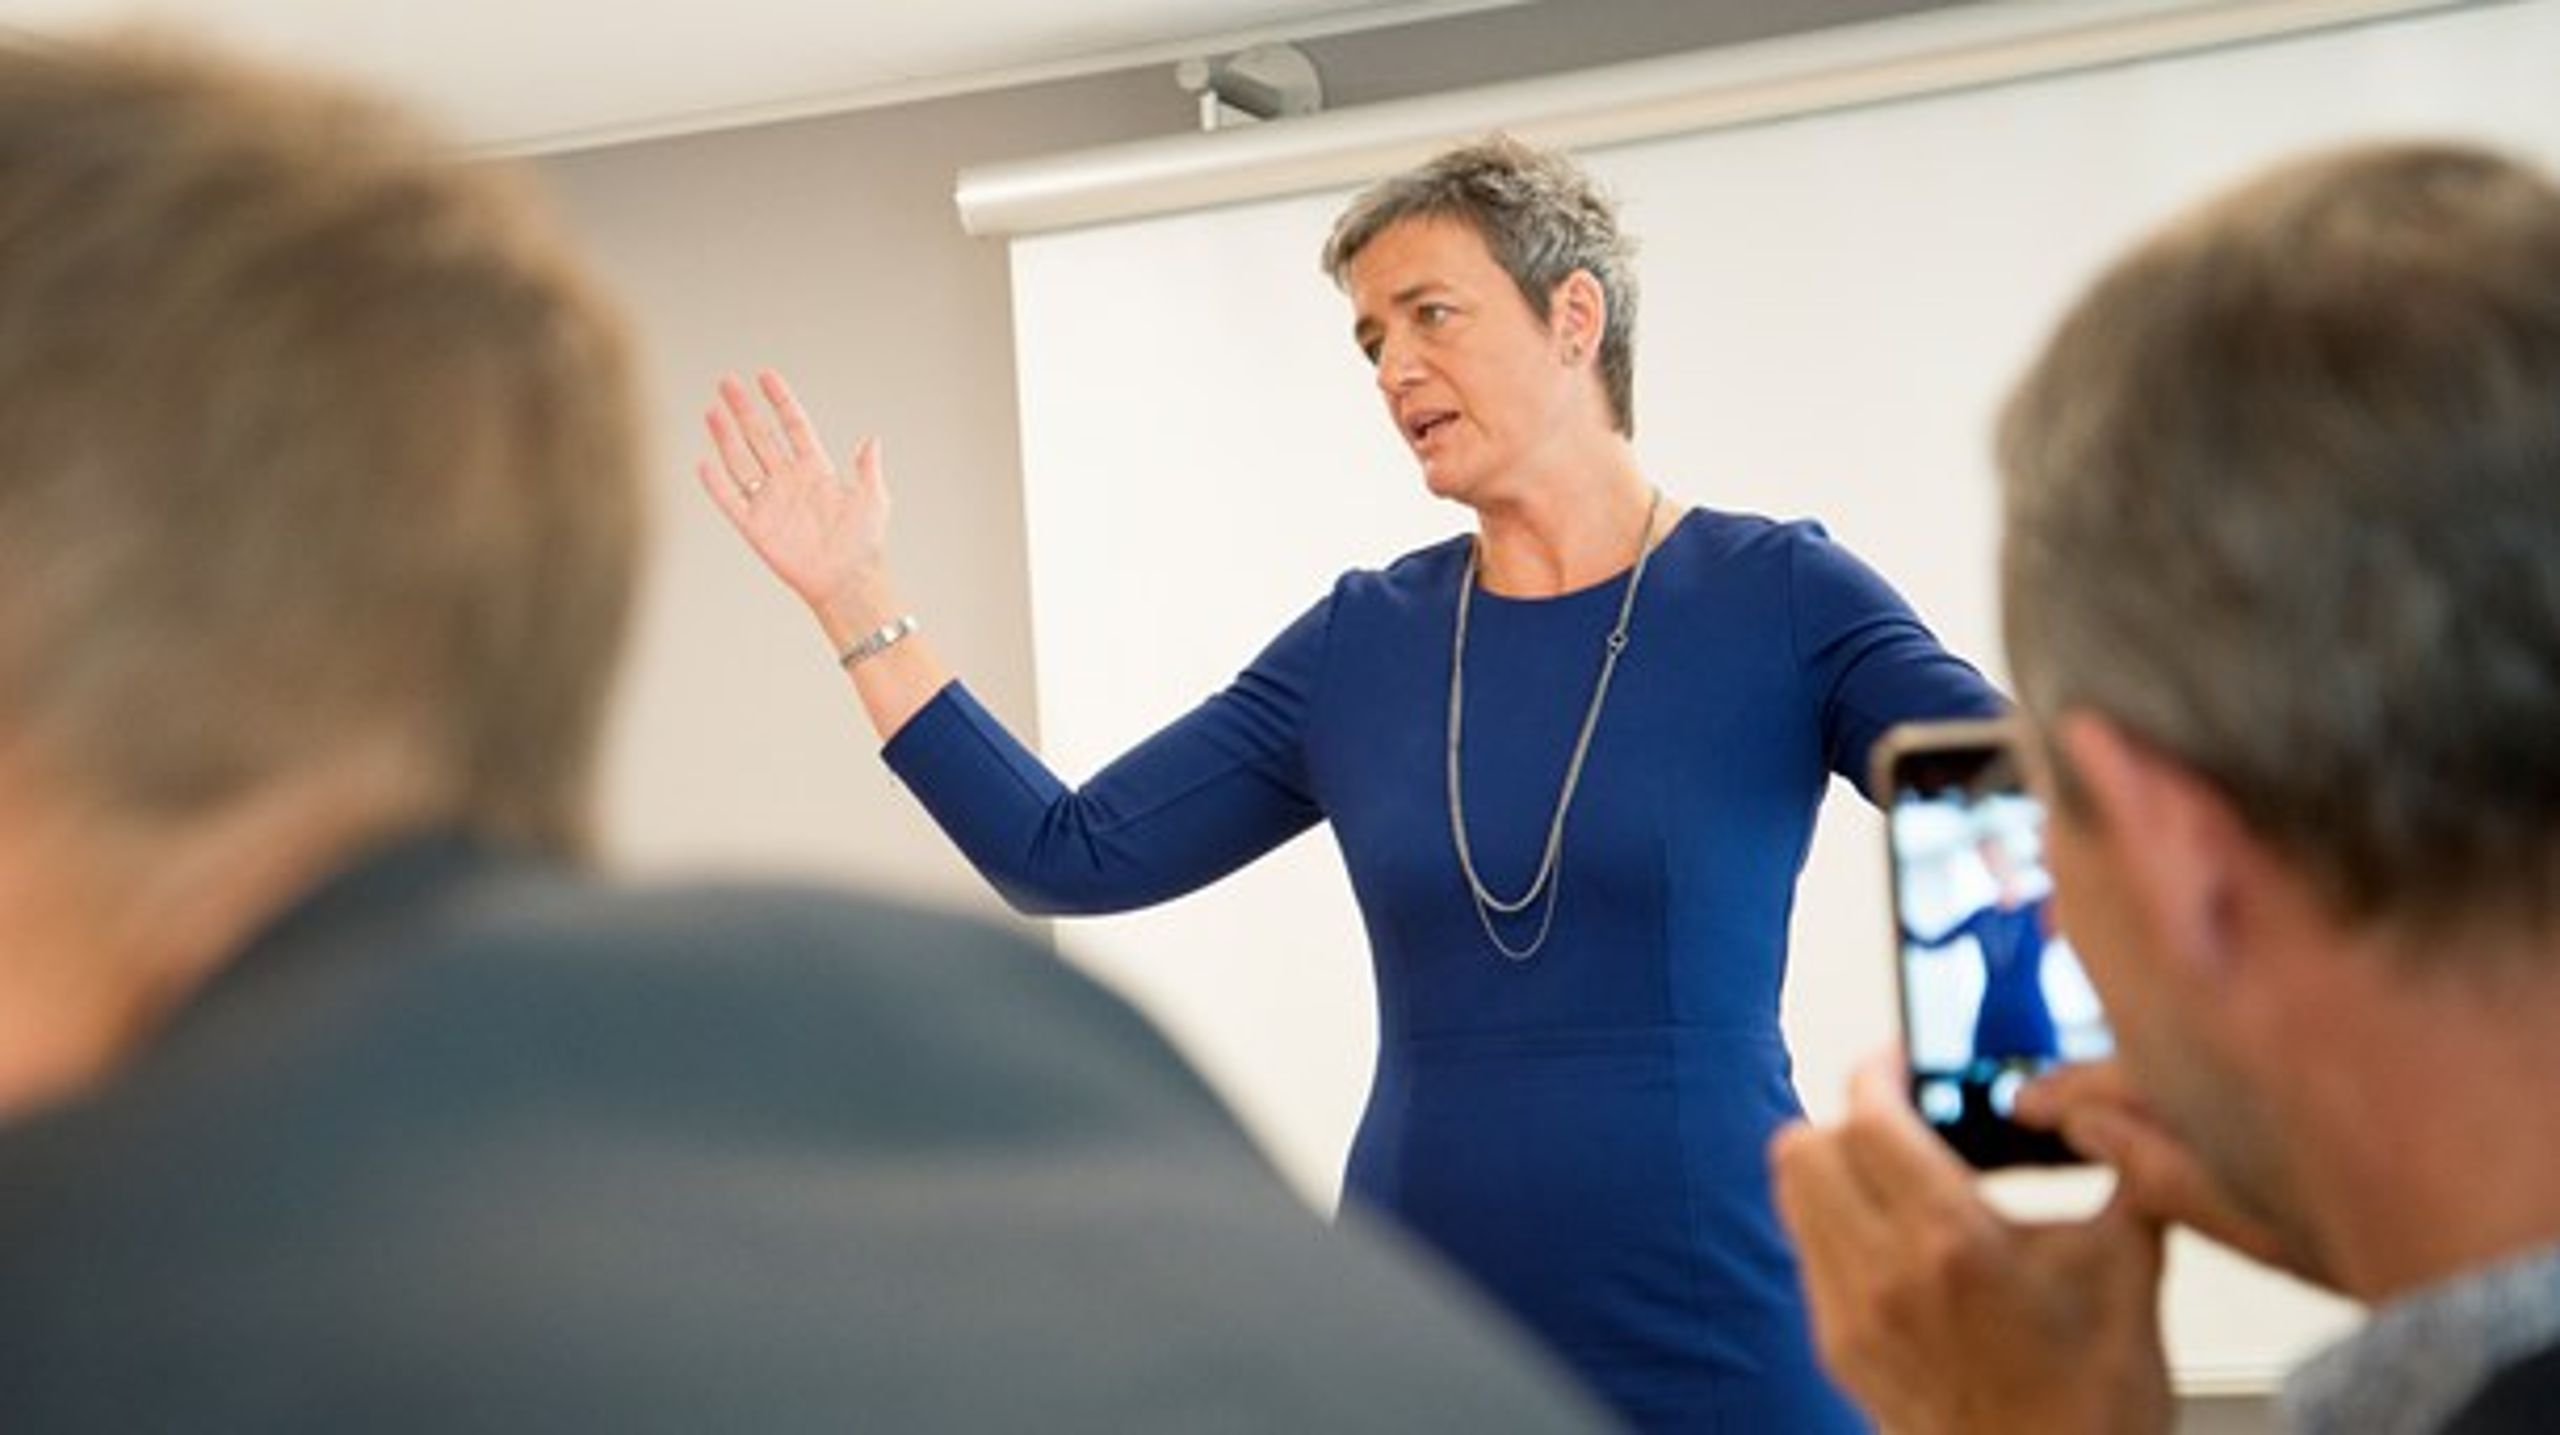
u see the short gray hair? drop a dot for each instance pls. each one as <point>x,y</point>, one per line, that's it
<point>313,440</point>
<point>2283,499</point>
<point>1540,215</point>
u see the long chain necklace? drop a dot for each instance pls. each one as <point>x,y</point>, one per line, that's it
<point>1487,904</point>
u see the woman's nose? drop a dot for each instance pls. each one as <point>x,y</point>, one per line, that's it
<point>1396,371</point>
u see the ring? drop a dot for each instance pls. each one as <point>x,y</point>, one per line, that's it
<point>752,487</point>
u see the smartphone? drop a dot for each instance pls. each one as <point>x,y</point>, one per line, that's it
<point>1992,995</point>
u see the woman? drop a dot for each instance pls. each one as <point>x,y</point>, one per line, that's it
<point>1580,1058</point>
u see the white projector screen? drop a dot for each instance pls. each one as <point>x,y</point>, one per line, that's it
<point>1832,308</point>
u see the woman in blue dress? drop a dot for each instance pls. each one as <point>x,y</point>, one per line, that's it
<point>1572,761</point>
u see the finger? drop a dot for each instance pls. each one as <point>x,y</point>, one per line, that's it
<point>796,428</point>
<point>1826,1210</point>
<point>724,492</point>
<point>770,452</point>
<point>2109,1267</point>
<point>2138,1239</point>
<point>1904,1165</point>
<point>866,467</point>
<point>1813,1184</point>
<point>745,470</point>
<point>1856,1267</point>
<point>2151,1165</point>
<point>2159,1177</point>
<point>2052,1097</point>
<point>2124,1209</point>
<point>1836,1188</point>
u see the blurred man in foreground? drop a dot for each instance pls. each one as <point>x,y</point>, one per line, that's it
<point>337,1096</point>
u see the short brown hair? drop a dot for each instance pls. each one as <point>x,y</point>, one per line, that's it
<point>2283,497</point>
<point>311,437</point>
<point>1540,216</point>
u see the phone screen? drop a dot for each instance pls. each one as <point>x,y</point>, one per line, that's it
<point>1992,994</point>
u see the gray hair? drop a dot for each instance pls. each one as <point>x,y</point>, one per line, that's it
<point>2283,499</point>
<point>1541,216</point>
<point>317,442</point>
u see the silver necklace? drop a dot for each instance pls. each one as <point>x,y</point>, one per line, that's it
<point>1487,904</point>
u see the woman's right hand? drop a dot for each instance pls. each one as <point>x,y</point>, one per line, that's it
<point>823,534</point>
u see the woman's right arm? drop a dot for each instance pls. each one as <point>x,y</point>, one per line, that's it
<point>1215,789</point>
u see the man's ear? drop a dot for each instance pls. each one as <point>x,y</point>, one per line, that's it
<point>2172,836</point>
<point>1578,312</point>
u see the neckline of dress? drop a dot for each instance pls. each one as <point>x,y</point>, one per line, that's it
<point>1604,586</point>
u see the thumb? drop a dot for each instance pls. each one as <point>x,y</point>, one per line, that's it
<point>2102,1134</point>
<point>2135,1244</point>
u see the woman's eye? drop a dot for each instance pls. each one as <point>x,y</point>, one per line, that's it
<point>1433,314</point>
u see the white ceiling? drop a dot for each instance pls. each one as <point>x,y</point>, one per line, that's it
<point>558,74</point>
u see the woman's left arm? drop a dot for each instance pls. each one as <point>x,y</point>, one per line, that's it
<point>1865,659</point>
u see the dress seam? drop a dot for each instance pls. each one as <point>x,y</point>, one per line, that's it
<point>1694,1249</point>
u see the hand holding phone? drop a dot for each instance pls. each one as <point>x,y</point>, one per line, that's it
<point>1992,995</point>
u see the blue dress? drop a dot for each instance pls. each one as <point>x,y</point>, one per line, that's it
<point>1582,1133</point>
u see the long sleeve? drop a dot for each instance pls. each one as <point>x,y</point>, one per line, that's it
<point>1867,661</point>
<point>1217,788</point>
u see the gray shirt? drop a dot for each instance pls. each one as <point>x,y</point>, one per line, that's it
<point>2422,1357</point>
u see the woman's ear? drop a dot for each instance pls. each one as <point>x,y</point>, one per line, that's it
<point>1578,314</point>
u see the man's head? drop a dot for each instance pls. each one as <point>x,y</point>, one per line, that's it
<point>2282,586</point>
<point>2283,501</point>
<point>316,451</point>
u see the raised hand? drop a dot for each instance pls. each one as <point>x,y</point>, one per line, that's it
<point>823,533</point>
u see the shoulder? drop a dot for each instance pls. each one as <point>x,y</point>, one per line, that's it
<point>1801,544</point>
<point>762,979</point>
<point>1429,571</point>
<point>1822,583</point>
<point>1747,569</point>
<point>1746,546</point>
<point>364,1033</point>
<point>1369,602</point>
<point>1728,532</point>
<point>567,1126</point>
